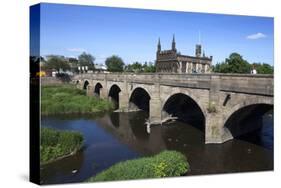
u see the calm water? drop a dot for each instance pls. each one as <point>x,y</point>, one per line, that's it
<point>120,136</point>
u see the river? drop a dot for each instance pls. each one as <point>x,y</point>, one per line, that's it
<point>116,137</point>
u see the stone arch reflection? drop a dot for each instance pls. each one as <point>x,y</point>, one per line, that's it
<point>115,119</point>
<point>138,126</point>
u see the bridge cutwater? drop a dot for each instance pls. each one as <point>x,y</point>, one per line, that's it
<point>218,99</point>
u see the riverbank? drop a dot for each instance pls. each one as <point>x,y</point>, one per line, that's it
<point>115,137</point>
<point>56,145</point>
<point>164,164</point>
<point>66,99</point>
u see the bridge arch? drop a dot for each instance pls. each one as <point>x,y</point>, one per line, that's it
<point>98,88</point>
<point>201,100</point>
<point>139,99</point>
<point>185,108</point>
<point>85,84</point>
<point>113,95</point>
<point>246,117</point>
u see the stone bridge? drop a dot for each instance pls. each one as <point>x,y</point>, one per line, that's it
<point>220,104</point>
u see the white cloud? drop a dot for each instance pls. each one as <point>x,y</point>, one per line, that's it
<point>256,36</point>
<point>76,50</point>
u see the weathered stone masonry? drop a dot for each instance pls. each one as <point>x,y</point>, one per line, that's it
<point>227,93</point>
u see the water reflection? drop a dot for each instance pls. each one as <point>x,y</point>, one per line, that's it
<point>59,169</point>
<point>120,136</point>
<point>137,125</point>
<point>264,135</point>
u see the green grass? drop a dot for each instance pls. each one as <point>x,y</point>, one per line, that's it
<point>164,164</point>
<point>57,144</point>
<point>67,99</point>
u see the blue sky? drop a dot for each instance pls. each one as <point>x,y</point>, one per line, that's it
<point>133,33</point>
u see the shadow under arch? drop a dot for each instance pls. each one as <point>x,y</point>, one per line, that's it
<point>85,85</point>
<point>247,123</point>
<point>139,100</point>
<point>185,109</point>
<point>97,89</point>
<point>113,95</point>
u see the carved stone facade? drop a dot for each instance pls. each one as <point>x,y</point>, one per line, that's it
<point>174,62</point>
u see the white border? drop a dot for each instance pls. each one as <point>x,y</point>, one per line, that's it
<point>14,135</point>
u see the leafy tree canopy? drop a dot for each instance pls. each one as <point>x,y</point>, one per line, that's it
<point>263,68</point>
<point>114,64</point>
<point>56,62</point>
<point>236,64</point>
<point>139,67</point>
<point>134,67</point>
<point>86,59</point>
<point>149,67</point>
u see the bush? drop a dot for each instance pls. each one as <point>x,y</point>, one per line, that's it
<point>164,164</point>
<point>56,144</point>
<point>68,99</point>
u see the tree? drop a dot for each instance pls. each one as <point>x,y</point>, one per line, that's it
<point>56,62</point>
<point>139,67</point>
<point>149,67</point>
<point>135,67</point>
<point>233,64</point>
<point>221,68</point>
<point>86,59</point>
<point>263,68</point>
<point>114,64</point>
<point>237,64</point>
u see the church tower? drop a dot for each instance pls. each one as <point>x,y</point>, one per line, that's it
<point>171,61</point>
<point>198,50</point>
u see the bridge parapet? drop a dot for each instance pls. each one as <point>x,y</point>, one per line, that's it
<point>217,95</point>
<point>238,83</point>
<point>259,85</point>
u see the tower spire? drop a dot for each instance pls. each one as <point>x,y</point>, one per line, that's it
<point>159,45</point>
<point>174,43</point>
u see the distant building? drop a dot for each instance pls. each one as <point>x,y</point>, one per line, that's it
<point>100,68</point>
<point>172,61</point>
<point>72,60</point>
